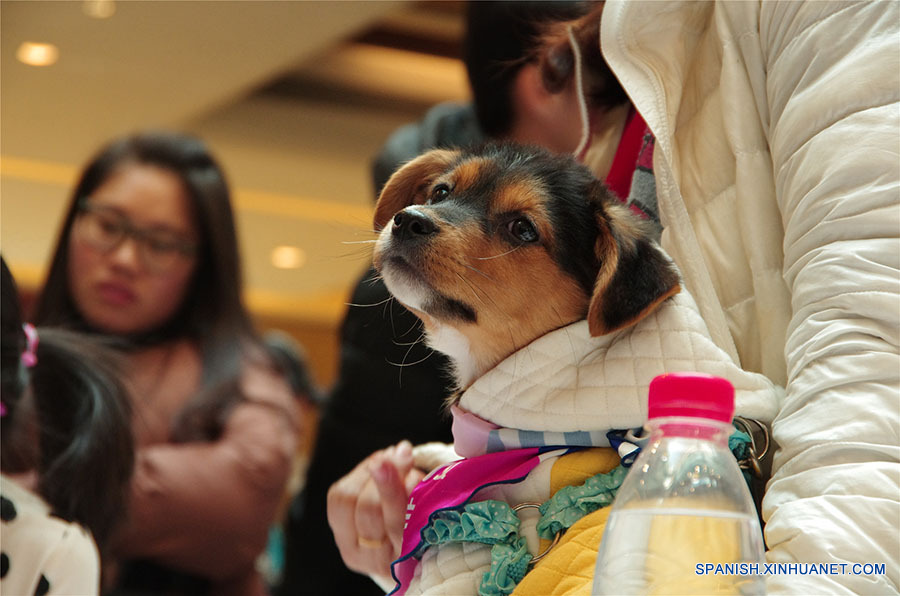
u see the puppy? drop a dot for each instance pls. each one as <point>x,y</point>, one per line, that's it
<point>557,310</point>
<point>495,247</point>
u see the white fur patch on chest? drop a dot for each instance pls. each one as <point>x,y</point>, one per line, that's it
<point>449,341</point>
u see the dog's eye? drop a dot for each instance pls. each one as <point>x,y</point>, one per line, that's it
<point>522,229</point>
<point>439,193</point>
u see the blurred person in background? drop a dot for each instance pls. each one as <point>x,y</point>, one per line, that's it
<point>66,454</point>
<point>291,360</point>
<point>148,255</point>
<point>390,386</point>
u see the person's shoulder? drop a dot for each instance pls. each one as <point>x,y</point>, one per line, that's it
<point>446,124</point>
<point>49,549</point>
<point>451,124</point>
<point>17,500</point>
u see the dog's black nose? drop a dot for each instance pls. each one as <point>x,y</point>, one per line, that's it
<point>412,224</point>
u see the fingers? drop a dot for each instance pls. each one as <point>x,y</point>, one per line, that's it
<point>342,500</point>
<point>368,516</point>
<point>367,524</point>
<point>394,478</point>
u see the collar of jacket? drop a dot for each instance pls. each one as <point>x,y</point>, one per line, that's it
<point>569,382</point>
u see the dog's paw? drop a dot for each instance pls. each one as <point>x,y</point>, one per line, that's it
<point>429,456</point>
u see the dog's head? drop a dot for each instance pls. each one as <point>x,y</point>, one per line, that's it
<point>496,246</point>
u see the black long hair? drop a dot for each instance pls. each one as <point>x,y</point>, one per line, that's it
<point>73,403</point>
<point>212,314</point>
<point>500,37</point>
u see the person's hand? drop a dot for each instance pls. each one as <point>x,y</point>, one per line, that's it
<point>367,509</point>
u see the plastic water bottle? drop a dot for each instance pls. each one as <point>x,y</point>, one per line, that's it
<point>683,521</point>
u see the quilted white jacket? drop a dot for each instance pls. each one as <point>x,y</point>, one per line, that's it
<point>570,382</point>
<point>778,176</point>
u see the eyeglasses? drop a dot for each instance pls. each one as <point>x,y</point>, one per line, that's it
<point>105,229</point>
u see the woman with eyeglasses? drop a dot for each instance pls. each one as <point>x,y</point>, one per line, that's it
<point>148,254</point>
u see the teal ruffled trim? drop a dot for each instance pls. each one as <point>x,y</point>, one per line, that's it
<point>739,444</point>
<point>509,564</point>
<point>488,522</point>
<point>495,523</point>
<point>485,522</point>
<point>571,503</point>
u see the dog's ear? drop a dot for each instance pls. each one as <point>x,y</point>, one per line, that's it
<point>635,275</point>
<point>407,186</point>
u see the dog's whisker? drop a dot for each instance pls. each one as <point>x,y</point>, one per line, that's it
<point>359,241</point>
<point>476,289</point>
<point>379,303</point>
<point>374,279</point>
<point>500,255</point>
<point>411,327</point>
<point>471,287</point>
<point>478,271</point>
<point>489,297</point>
<point>389,306</point>
<point>361,254</point>
<point>404,364</point>
<point>420,339</point>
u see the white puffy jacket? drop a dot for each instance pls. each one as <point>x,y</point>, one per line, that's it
<point>778,175</point>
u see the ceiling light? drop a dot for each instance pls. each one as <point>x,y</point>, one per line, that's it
<point>99,9</point>
<point>288,257</point>
<point>37,54</point>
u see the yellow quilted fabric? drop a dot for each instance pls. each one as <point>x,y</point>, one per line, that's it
<point>569,567</point>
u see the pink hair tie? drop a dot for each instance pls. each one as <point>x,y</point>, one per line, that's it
<point>29,356</point>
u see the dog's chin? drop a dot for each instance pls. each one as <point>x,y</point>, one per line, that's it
<point>443,316</point>
<point>413,289</point>
<point>437,312</point>
<point>406,283</point>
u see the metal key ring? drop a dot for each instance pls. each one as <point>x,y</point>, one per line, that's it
<point>556,537</point>
<point>744,422</point>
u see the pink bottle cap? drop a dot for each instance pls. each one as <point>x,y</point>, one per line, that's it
<point>694,395</point>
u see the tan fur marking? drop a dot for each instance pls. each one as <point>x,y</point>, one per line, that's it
<point>627,226</point>
<point>607,251</point>
<point>528,197</point>
<point>467,173</point>
<point>409,184</point>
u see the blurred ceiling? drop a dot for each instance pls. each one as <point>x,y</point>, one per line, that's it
<point>294,97</point>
